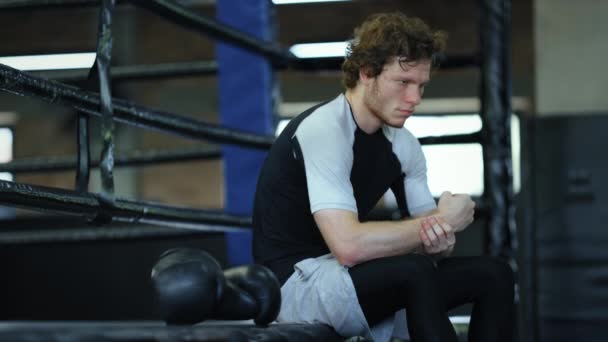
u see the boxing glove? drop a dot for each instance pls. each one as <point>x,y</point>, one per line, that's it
<point>251,291</point>
<point>189,284</point>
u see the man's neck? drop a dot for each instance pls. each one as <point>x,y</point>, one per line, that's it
<point>364,118</point>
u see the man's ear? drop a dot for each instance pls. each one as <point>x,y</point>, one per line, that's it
<point>365,75</point>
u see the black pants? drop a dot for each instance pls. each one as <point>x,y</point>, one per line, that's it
<point>413,282</point>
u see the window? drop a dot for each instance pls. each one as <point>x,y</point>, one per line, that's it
<point>455,167</point>
<point>459,167</point>
<point>6,150</point>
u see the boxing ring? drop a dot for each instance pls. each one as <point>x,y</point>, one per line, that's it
<point>114,218</point>
<point>157,331</point>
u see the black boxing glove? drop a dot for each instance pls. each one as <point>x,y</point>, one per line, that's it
<point>251,292</point>
<point>189,284</point>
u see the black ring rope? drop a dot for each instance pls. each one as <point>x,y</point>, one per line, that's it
<point>183,16</point>
<point>154,157</point>
<point>104,233</point>
<point>23,84</point>
<point>451,139</point>
<point>138,72</point>
<point>133,158</point>
<point>31,4</point>
<point>209,68</point>
<point>89,207</point>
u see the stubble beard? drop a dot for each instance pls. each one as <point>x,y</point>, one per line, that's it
<point>374,104</point>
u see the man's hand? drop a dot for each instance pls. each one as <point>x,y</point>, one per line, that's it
<point>437,236</point>
<point>457,210</point>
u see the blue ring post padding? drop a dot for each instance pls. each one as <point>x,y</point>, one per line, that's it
<point>246,81</point>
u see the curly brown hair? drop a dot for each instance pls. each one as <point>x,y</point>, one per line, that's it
<point>386,35</point>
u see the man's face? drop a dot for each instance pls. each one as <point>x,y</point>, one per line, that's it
<point>393,95</point>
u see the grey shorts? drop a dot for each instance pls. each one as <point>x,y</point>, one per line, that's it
<point>320,291</point>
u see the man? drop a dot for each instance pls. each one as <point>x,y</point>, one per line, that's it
<point>329,168</point>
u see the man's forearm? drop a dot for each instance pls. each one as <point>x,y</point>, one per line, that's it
<point>353,242</point>
<point>388,238</point>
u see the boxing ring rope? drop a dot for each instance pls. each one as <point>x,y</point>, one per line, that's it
<point>181,15</point>
<point>138,72</point>
<point>89,207</point>
<point>209,68</point>
<point>23,84</point>
<point>133,158</point>
<point>32,4</point>
<point>107,233</point>
<point>154,157</point>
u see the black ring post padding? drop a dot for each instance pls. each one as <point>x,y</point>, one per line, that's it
<point>102,66</point>
<point>134,158</point>
<point>451,139</point>
<point>20,83</point>
<point>183,16</point>
<point>83,157</point>
<point>88,206</point>
<point>495,96</point>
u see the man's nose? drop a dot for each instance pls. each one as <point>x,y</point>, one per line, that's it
<point>413,96</point>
